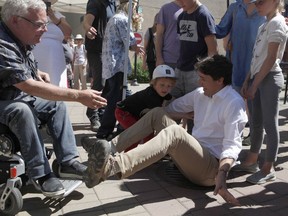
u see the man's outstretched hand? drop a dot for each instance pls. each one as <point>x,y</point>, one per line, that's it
<point>221,189</point>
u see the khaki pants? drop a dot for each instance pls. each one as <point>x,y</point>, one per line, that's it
<point>194,162</point>
<point>79,77</point>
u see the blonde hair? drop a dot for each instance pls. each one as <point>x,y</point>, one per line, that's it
<point>154,81</point>
<point>281,6</point>
<point>125,6</point>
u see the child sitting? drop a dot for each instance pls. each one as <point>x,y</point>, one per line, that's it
<point>135,106</point>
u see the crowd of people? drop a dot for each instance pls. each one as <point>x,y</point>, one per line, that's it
<point>189,81</point>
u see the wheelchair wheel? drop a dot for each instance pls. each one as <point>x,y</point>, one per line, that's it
<point>55,168</point>
<point>14,202</point>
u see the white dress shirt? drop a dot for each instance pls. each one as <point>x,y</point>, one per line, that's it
<point>218,120</point>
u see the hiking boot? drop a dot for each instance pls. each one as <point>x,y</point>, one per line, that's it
<point>88,142</point>
<point>74,171</point>
<point>98,155</point>
<point>50,185</point>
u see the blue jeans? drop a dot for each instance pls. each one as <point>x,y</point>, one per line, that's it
<point>23,119</point>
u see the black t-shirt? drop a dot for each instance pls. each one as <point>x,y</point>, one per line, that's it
<point>145,99</point>
<point>102,10</point>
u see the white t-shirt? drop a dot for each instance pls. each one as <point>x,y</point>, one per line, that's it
<point>274,30</point>
<point>80,55</point>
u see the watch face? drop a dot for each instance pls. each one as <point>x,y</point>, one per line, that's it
<point>5,145</point>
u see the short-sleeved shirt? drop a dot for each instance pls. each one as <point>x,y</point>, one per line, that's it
<point>167,17</point>
<point>274,30</point>
<point>141,100</point>
<point>193,28</point>
<point>113,52</point>
<point>102,10</point>
<point>17,62</point>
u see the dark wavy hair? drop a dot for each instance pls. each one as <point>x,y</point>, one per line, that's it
<point>216,66</point>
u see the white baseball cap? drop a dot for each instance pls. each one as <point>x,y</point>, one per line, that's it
<point>163,71</point>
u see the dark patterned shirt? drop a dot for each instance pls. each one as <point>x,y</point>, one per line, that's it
<point>17,64</point>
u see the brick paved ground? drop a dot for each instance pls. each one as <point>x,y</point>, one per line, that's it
<point>160,190</point>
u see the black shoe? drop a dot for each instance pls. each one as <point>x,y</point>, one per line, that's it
<point>94,126</point>
<point>51,186</point>
<point>75,171</point>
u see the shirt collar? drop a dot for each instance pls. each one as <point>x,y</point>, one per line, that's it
<point>223,92</point>
<point>18,42</point>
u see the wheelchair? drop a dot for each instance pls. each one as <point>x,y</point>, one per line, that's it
<point>13,174</point>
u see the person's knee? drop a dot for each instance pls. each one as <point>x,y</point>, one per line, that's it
<point>176,130</point>
<point>60,105</point>
<point>20,111</point>
<point>158,111</point>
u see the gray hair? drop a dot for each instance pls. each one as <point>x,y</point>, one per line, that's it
<point>20,8</point>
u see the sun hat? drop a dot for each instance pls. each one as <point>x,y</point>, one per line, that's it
<point>163,71</point>
<point>78,37</point>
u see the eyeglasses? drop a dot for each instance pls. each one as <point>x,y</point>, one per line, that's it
<point>38,25</point>
<point>259,2</point>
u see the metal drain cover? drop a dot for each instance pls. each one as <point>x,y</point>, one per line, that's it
<point>170,173</point>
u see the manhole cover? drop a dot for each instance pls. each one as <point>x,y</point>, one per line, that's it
<point>170,173</point>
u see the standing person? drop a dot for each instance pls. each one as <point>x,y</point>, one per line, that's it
<point>137,105</point>
<point>205,157</point>
<point>262,87</point>
<point>27,98</point>
<point>196,29</point>
<point>239,25</point>
<point>113,58</point>
<point>241,21</point>
<point>149,57</point>
<point>167,40</point>
<point>49,52</point>
<point>68,53</point>
<point>79,63</point>
<point>98,12</point>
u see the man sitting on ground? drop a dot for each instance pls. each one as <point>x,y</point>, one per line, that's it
<point>206,157</point>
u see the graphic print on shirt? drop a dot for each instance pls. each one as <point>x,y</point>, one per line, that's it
<point>188,30</point>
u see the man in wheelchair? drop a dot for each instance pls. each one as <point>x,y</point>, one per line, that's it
<point>27,97</point>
